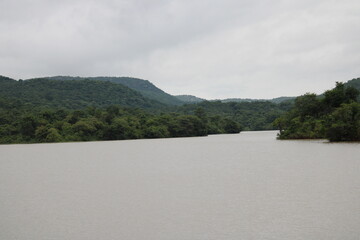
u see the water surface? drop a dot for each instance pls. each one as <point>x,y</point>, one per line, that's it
<point>242,186</point>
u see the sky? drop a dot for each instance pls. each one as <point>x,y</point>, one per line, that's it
<point>209,48</point>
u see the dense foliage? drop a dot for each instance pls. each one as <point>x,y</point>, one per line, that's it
<point>23,124</point>
<point>353,83</point>
<point>73,94</point>
<point>335,115</point>
<point>144,87</point>
<point>77,109</point>
<point>77,93</point>
<point>258,115</point>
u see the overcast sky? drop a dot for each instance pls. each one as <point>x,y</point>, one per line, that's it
<point>208,48</point>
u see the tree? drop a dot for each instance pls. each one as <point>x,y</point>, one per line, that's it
<point>28,125</point>
<point>156,132</point>
<point>345,123</point>
<point>339,95</point>
<point>308,105</point>
<point>231,126</point>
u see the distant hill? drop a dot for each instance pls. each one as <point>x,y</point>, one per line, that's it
<point>257,115</point>
<point>351,83</point>
<point>144,87</point>
<point>282,99</point>
<point>274,100</point>
<point>238,100</point>
<point>189,98</point>
<point>354,83</point>
<point>73,94</point>
<point>4,79</point>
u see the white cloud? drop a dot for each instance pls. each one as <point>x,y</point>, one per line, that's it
<point>212,49</point>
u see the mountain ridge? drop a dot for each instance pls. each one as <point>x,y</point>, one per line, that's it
<point>145,87</point>
<point>149,90</point>
<point>73,93</point>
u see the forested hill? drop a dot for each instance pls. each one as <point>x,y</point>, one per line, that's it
<point>144,87</point>
<point>73,94</point>
<point>189,99</point>
<point>45,110</point>
<point>76,93</point>
<point>273,100</point>
<point>4,79</point>
<point>353,83</point>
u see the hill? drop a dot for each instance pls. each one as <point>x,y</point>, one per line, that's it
<point>353,83</point>
<point>274,100</point>
<point>77,93</point>
<point>146,88</point>
<point>73,94</point>
<point>239,100</point>
<point>48,110</point>
<point>189,98</point>
<point>282,99</point>
<point>4,79</point>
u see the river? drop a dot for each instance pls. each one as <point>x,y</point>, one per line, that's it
<point>241,186</point>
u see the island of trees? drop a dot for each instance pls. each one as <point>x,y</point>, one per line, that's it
<point>334,115</point>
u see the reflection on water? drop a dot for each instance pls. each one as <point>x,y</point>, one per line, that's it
<point>242,186</point>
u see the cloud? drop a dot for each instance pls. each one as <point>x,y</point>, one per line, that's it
<point>212,49</point>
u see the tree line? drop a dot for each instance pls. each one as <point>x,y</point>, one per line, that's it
<point>78,93</point>
<point>253,116</point>
<point>28,125</point>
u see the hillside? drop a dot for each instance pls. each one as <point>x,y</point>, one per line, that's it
<point>73,94</point>
<point>144,87</point>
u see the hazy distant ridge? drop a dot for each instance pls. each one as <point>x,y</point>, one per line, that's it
<point>189,98</point>
<point>273,100</point>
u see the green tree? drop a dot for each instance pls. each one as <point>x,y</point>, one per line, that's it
<point>308,105</point>
<point>345,123</point>
<point>231,126</point>
<point>156,132</point>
